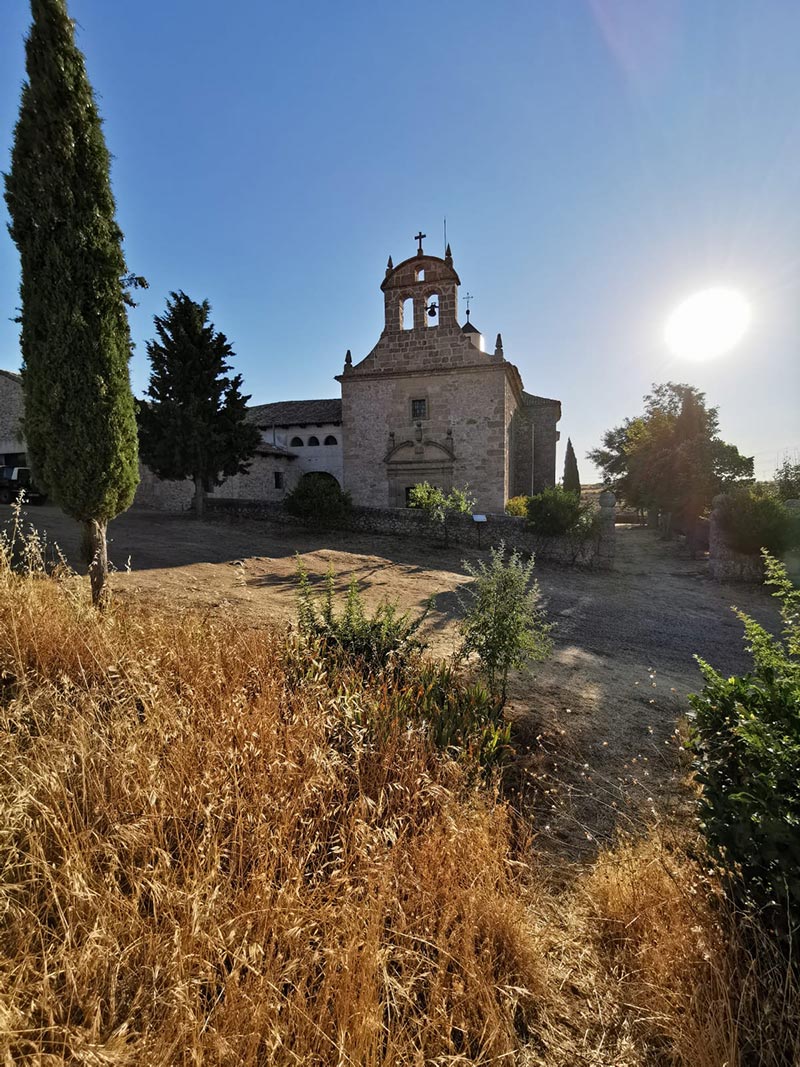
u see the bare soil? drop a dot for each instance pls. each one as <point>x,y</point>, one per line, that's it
<point>597,724</point>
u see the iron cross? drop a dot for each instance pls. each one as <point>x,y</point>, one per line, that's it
<point>419,238</point>
<point>468,297</point>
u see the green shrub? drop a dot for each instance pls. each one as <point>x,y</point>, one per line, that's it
<point>438,505</point>
<point>457,717</point>
<point>752,520</point>
<point>517,505</point>
<point>746,744</point>
<point>318,498</point>
<point>504,621</point>
<point>372,642</point>
<point>556,511</point>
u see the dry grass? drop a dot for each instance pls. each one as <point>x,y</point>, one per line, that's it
<point>206,860</point>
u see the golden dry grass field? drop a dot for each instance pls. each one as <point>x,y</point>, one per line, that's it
<point>209,857</point>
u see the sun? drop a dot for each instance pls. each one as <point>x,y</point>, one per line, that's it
<point>708,324</point>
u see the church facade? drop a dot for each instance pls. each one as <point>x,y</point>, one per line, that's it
<point>428,403</point>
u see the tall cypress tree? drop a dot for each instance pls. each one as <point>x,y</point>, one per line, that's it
<point>193,422</point>
<point>80,422</point>
<point>572,480</point>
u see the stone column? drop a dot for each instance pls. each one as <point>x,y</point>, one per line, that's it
<point>606,540</point>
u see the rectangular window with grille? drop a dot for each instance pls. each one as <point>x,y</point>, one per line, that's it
<point>278,475</point>
<point>419,409</point>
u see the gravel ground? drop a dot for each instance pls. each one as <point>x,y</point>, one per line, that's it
<point>599,718</point>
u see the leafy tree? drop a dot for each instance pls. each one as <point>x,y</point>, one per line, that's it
<point>572,479</point>
<point>193,424</point>
<point>504,621</point>
<point>787,480</point>
<point>672,457</point>
<point>438,505</point>
<point>752,519</point>
<point>80,424</point>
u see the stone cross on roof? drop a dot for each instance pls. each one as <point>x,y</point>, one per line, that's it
<point>419,237</point>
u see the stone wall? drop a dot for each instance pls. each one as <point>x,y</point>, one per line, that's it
<point>596,553</point>
<point>11,412</point>
<point>153,492</point>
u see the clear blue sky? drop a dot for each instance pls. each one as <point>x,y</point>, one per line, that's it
<point>596,161</point>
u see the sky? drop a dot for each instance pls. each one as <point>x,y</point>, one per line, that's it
<point>596,160</point>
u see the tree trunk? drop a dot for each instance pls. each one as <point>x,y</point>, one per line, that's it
<point>199,497</point>
<point>98,563</point>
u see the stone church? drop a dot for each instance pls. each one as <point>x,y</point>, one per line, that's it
<point>428,403</point>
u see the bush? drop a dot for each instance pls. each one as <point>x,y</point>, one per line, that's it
<point>372,642</point>
<point>504,622</point>
<point>555,512</point>
<point>517,505</point>
<point>752,520</point>
<point>438,505</point>
<point>456,717</point>
<point>746,744</point>
<point>318,498</point>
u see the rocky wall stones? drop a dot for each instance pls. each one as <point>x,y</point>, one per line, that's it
<point>596,552</point>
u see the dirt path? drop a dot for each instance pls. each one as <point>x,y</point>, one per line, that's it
<point>604,710</point>
<point>599,717</point>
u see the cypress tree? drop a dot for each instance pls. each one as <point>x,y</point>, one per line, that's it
<point>80,422</point>
<point>572,480</point>
<point>193,422</point>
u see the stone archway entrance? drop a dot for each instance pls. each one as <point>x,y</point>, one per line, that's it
<point>410,463</point>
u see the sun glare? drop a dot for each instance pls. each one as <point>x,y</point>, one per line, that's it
<point>708,324</point>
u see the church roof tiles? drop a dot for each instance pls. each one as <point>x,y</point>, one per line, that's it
<point>296,413</point>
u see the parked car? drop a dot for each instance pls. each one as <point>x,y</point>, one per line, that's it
<point>14,480</point>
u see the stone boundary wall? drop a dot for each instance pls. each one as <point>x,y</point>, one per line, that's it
<point>596,553</point>
<point>727,565</point>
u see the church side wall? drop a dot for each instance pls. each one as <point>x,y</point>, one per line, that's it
<point>545,436</point>
<point>522,478</point>
<point>321,457</point>
<point>511,406</point>
<point>366,407</point>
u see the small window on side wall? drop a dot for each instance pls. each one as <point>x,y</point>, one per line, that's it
<point>331,440</point>
<point>296,442</point>
<point>419,409</point>
<point>313,441</point>
<point>278,476</point>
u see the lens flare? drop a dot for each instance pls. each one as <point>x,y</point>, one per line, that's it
<point>708,324</point>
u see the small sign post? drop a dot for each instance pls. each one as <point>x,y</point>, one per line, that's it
<point>479,519</point>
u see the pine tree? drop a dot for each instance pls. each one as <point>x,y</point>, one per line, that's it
<point>193,422</point>
<point>80,423</point>
<point>572,480</point>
